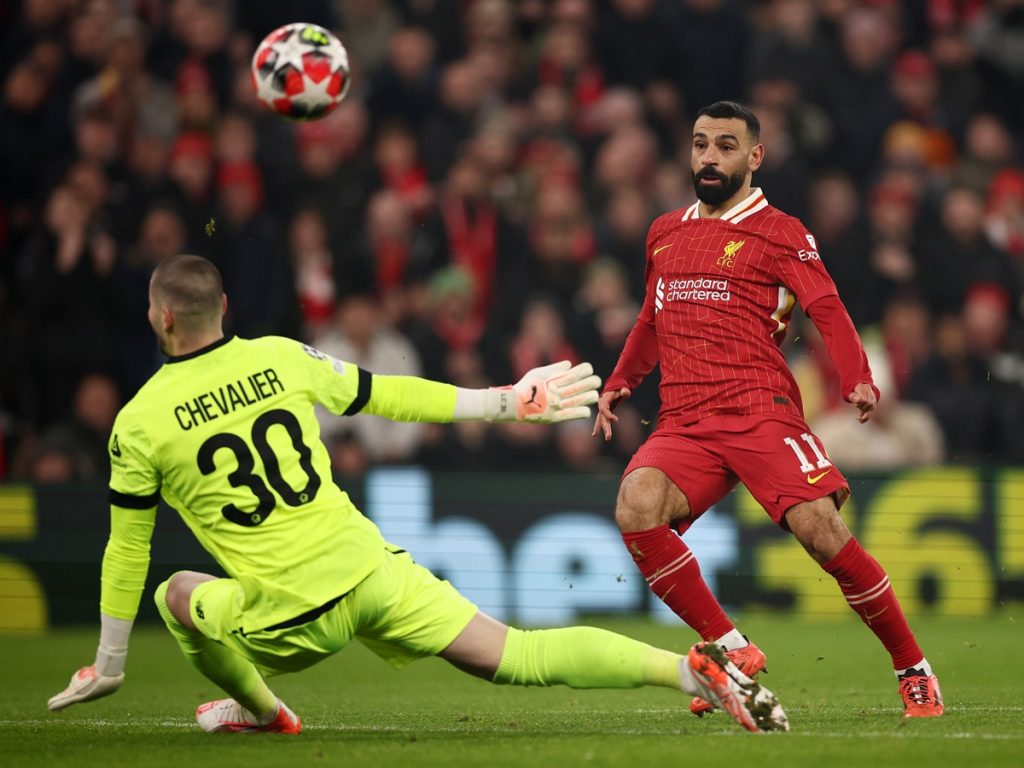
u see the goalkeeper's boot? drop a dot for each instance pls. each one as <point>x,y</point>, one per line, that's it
<point>750,659</point>
<point>228,716</point>
<point>724,685</point>
<point>921,694</point>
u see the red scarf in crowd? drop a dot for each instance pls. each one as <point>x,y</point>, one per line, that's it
<point>473,241</point>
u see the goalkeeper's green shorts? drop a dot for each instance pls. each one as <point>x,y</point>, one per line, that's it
<point>401,611</point>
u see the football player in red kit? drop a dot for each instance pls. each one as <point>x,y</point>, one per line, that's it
<point>722,279</point>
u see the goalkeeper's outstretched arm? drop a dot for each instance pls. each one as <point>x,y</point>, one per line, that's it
<point>545,395</point>
<point>125,563</point>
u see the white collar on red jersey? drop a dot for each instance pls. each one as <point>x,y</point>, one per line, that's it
<point>750,205</point>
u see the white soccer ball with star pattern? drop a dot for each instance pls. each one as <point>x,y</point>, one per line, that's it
<point>300,71</point>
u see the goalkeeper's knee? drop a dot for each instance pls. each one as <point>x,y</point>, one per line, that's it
<point>172,621</point>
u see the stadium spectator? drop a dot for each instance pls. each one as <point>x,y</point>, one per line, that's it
<point>892,217</point>
<point>334,172</point>
<point>30,131</point>
<point>954,382</point>
<point>66,287</point>
<point>906,338</point>
<point>917,97</point>
<point>901,434</point>
<point>621,230</point>
<point>313,266</point>
<point>393,256</point>
<point>190,169</point>
<point>785,166</point>
<point>858,74</point>
<point>453,121</point>
<point>562,239</point>
<point>988,147</point>
<point>1004,215</point>
<point>634,45</point>
<point>404,87</point>
<point>248,244</point>
<point>400,169</point>
<point>479,238</point>
<point>95,406</point>
<point>954,253</point>
<point>701,30</point>
<point>464,445</point>
<point>442,317</point>
<point>541,339</point>
<point>53,459</point>
<point>626,158</point>
<point>161,235</point>
<point>442,19</point>
<point>998,38</point>
<point>365,28</point>
<point>838,224</point>
<point>567,63</point>
<point>360,336</point>
<point>790,47</point>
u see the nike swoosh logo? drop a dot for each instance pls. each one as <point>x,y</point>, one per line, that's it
<point>870,616</point>
<point>816,478</point>
<point>661,248</point>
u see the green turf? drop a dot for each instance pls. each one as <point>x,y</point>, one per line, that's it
<point>832,677</point>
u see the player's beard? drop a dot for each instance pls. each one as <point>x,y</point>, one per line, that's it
<point>715,195</point>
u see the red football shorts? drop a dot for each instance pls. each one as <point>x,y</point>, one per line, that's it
<point>777,457</point>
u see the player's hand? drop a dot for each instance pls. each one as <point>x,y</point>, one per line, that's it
<point>86,684</point>
<point>609,400</point>
<point>556,392</point>
<point>863,396</point>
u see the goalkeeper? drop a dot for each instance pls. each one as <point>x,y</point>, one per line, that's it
<point>225,432</point>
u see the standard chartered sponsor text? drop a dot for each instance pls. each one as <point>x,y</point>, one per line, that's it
<point>698,289</point>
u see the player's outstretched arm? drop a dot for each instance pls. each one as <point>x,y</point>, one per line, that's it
<point>105,674</point>
<point>847,353</point>
<point>545,395</point>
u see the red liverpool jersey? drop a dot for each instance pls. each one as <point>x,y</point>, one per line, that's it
<point>719,297</point>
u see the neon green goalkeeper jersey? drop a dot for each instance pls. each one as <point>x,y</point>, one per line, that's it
<point>228,437</point>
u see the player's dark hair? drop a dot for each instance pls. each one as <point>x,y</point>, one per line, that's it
<point>191,286</point>
<point>728,109</point>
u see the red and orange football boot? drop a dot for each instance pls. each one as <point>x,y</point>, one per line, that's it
<point>228,716</point>
<point>749,659</point>
<point>921,694</point>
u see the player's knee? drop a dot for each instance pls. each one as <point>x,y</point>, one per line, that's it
<point>641,504</point>
<point>172,598</point>
<point>820,529</point>
<point>160,598</point>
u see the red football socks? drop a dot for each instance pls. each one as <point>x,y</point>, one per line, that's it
<point>673,575</point>
<point>866,588</point>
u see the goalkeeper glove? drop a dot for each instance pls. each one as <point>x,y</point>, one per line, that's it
<point>86,684</point>
<point>105,675</point>
<point>551,393</point>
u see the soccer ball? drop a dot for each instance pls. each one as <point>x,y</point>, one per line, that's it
<point>300,71</point>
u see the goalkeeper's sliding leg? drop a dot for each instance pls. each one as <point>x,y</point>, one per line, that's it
<point>589,657</point>
<point>252,706</point>
<point>402,612</point>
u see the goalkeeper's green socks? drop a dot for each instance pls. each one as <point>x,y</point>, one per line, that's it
<point>584,657</point>
<point>235,675</point>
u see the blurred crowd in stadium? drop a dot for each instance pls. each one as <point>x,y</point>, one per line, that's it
<point>478,204</point>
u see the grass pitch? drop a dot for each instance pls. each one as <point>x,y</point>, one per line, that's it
<point>832,677</point>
